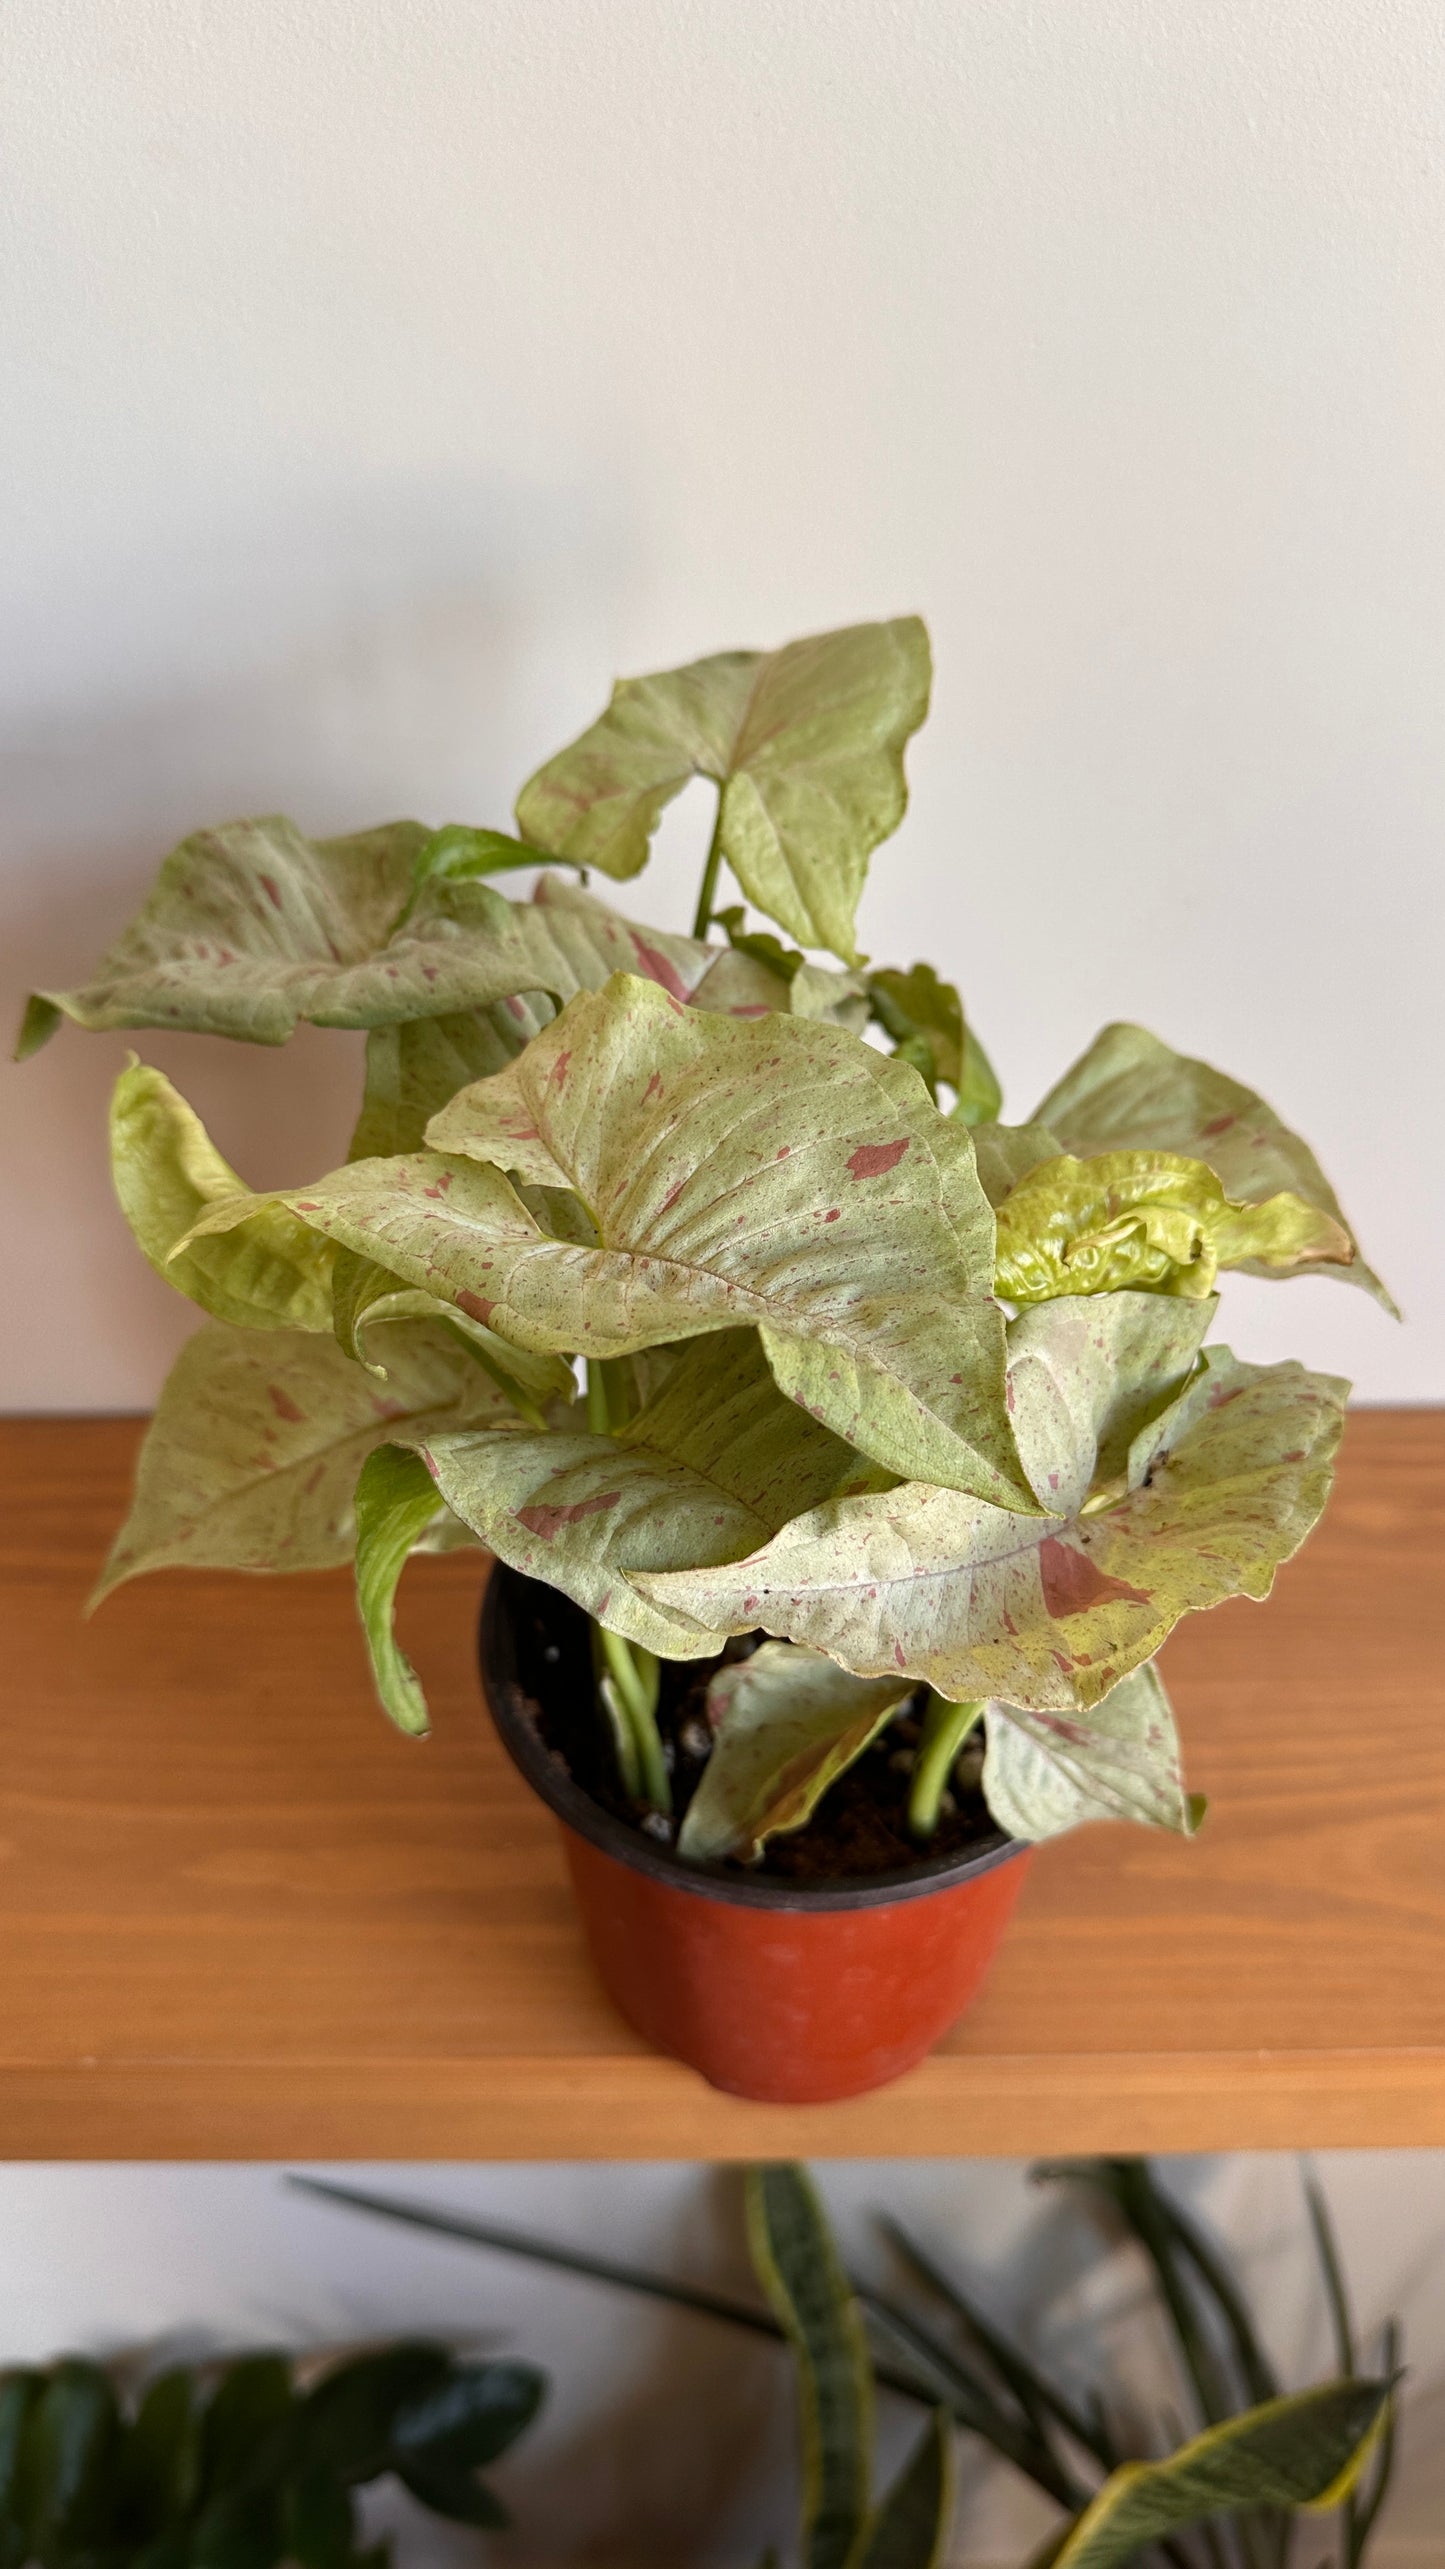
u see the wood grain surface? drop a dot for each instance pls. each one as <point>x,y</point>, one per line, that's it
<point>241,1918</point>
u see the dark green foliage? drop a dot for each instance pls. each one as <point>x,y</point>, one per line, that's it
<point>235,2467</point>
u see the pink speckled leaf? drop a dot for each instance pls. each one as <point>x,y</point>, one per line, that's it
<point>1131,1092</point>
<point>275,1273</point>
<point>251,927</point>
<point>806,744</point>
<point>251,1460</point>
<point>711,1467</point>
<point>781,1173</point>
<point>1215,1491</point>
<point>787,1724</point>
<point>1046,1772</point>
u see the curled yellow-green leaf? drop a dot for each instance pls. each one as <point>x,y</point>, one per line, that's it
<point>1148,1222</point>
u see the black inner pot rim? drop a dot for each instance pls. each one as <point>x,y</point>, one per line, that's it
<point>550,1780</point>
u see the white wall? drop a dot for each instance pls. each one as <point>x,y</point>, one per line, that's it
<point>668,2440</point>
<point>382,375</point>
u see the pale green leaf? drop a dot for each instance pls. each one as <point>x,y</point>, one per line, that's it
<point>797,2266</point>
<point>1217,1491</point>
<point>806,744</point>
<point>783,1174</point>
<point>911,2526</point>
<point>716,1462</point>
<point>1150,1221</point>
<point>1045,1772</point>
<point>413,1069</point>
<point>1086,1377</point>
<point>252,927</point>
<point>1131,1092</point>
<point>1305,2450</point>
<point>251,1460</point>
<point>1006,1152</point>
<point>396,1501</point>
<point>787,1723</point>
<point>167,1171</point>
<point>924,1016</point>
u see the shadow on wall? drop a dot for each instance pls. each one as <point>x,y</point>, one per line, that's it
<point>387,681</point>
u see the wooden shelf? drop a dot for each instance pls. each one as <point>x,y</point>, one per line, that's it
<point>239,1918</point>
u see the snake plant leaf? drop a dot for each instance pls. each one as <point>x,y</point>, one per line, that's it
<point>787,1724</point>
<point>1303,2451</point>
<point>910,2528</point>
<point>396,1501</point>
<point>274,1273</point>
<point>1152,1222</point>
<point>1049,1613</point>
<point>797,2265</point>
<point>711,1466</point>
<point>782,1174</point>
<point>252,1458</point>
<point>252,927</point>
<point>1046,1772</point>
<point>805,743</point>
<point>1131,1092</point>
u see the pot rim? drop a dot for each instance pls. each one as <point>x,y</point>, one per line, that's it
<point>577,1811</point>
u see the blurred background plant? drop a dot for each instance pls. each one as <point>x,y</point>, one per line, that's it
<point>237,2465</point>
<point>1226,2471</point>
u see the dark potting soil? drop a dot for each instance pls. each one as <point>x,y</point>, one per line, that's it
<point>861,1825</point>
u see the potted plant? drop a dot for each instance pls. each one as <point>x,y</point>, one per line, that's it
<point>848,1451</point>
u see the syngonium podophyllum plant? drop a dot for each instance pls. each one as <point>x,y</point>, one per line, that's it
<point>652,1270</point>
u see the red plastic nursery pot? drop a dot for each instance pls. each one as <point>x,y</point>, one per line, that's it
<point>790,1995</point>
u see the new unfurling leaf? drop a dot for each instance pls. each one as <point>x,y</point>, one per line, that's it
<point>1150,1221</point>
<point>1130,1092</point>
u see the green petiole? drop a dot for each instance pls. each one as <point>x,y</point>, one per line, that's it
<point>707,889</point>
<point>945,1728</point>
<point>629,1676</point>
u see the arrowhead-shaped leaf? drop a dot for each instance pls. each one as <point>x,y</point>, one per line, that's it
<point>252,927</point>
<point>715,1463</point>
<point>1306,2450</point>
<point>787,1724</point>
<point>167,1171</point>
<point>415,1068</point>
<point>779,1174</point>
<point>1131,1092</point>
<point>252,1458</point>
<point>1217,1491</point>
<point>1150,1221</point>
<point>782,1174</point>
<point>1045,1772</point>
<point>806,744</point>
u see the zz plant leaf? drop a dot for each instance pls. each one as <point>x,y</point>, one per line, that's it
<point>805,745</point>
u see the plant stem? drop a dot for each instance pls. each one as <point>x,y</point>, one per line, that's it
<point>945,1728</point>
<point>634,1675</point>
<point>707,889</point>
